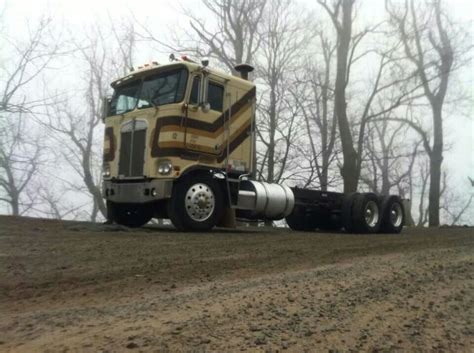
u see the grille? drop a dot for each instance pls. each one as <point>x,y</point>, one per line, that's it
<point>132,149</point>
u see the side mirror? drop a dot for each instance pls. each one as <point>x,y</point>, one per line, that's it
<point>105,107</point>
<point>204,104</point>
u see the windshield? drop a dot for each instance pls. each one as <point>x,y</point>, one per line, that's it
<point>159,89</point>
<point>125,98</point>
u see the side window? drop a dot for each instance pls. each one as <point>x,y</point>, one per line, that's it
<point>215,96</point>
<point>194,99</point>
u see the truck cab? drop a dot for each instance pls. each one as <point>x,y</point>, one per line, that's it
<point>170,123</point>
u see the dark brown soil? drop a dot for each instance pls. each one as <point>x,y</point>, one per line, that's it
<point>73,287</point>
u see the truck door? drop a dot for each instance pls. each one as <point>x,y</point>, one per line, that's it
<point>204,128</point>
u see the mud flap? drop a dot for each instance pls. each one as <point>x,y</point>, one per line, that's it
<point>228,219</point>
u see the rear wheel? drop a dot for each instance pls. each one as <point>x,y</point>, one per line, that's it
<point>196,203</point>
<point>393,215</point>
<point>366,215</point>
<point>130,214</point>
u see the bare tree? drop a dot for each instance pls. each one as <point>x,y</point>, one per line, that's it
<point>30,57</point>
<point>21,149</point>
<point>424,179</point>
<point>428,38</point>
<point>341,17</point>
<point>385,83</point>
<point>21,155</point>
<point>126,36</point>
<point>79,127</point>
<point>237,37</point>
<point>57,204</point>
<point>234,40</point>
<point>389,157</point>
<point>455,207</point>
<point>313,92</point>
<point>280,49</point>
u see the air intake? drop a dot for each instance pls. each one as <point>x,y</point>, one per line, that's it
<point>244,70</point>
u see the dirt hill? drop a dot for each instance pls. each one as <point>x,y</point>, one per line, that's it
<point>69,286</point>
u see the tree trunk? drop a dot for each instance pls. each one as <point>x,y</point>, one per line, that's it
<point>436,159</point>
<point>15,204</point>
<point>93,189</point>
<point>385,190</point>
<point>271,145</point>
<point>349,167</point>
<point>433,207</point>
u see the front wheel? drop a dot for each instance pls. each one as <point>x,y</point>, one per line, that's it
<point>196,203</point>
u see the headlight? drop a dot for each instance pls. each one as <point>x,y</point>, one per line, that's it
<point>164,168</point>
<point>106,171</point>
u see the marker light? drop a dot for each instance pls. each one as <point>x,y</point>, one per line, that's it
<point>165,167</point>
<point>106,171</point>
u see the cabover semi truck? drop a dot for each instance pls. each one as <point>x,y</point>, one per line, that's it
<point>179,144</point>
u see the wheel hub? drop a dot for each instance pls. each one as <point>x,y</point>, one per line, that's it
<point>371,214</point>
<point>396,215</point>
<point>199,202</point>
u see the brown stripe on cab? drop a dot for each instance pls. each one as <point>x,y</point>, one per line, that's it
<point>109,153</point>
<point>211,128</point>
<point>201,132</point>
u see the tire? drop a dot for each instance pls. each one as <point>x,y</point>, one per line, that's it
<point>366,215</point>
<point>196,203</point>
<point>393,215</point>
<point>130,214</point>
<point>346,211</point>
<point>298,220</point>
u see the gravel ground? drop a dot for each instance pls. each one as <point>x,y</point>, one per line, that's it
<point>74,287</point>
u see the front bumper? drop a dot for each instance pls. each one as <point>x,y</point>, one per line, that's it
<point>136,192</point>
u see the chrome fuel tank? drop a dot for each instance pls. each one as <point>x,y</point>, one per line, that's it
<point>261,200</point>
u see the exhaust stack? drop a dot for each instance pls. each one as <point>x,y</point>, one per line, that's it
<point>244,70</point>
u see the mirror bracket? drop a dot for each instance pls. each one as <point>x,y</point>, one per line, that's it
<point>106,107</point>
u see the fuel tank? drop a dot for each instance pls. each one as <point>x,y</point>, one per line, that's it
<point>261,200</point>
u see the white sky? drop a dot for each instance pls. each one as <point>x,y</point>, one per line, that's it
<point>165,16</point>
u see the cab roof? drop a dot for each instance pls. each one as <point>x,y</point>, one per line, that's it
<point>191,66</point>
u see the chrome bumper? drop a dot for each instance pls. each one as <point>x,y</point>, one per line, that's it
<point>137,192</point>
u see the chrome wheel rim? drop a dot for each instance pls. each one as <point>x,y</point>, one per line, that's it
<point>396,215</point>
<point>371,214</point>
<point>199,202</point>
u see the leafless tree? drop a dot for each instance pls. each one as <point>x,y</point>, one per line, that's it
<point>21,155</point>
<point>57,204</point>
<point>385,83</point>
<point>389,157</point>
<point>30,57</point>
<point>125,35</point>
<point>432,45</point>
<point>455,206</point>
<point>424,180</point>
<point>234,40</point>
<point>279,51</point>
<point>313,92</point>
<point>77,125</point>
<point>21,148</point>
<point>341,17</point>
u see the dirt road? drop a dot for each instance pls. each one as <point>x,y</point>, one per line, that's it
<point>73,287</point>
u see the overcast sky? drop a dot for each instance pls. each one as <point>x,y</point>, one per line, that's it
<point>165,16</point>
